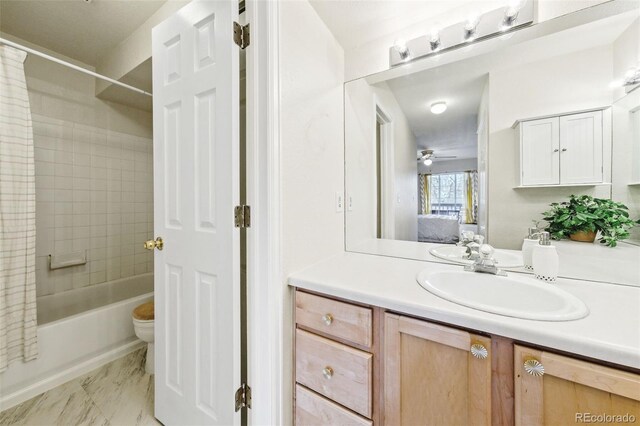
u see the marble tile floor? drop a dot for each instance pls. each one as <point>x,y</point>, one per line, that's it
<point>117,394</point>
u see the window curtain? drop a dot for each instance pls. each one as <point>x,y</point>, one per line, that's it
<point>18,322</point>
<point>471,196</point>
<point>424,182</point>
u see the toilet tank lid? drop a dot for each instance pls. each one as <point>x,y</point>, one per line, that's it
<point>144,312</point>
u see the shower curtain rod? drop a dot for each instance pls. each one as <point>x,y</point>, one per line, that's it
<point>72,66</point>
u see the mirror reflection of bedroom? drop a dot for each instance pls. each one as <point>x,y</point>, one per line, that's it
<point>436,126</point>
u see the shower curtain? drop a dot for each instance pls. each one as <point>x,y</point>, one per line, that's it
<point>18,322</point>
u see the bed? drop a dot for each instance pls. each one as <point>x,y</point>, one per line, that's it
<point>433,228</point>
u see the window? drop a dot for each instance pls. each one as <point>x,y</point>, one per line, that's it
<point>447,193</point>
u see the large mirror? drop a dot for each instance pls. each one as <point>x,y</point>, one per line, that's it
<point>482,140</point>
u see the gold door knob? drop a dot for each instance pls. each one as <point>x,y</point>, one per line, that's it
<point>151,244</point>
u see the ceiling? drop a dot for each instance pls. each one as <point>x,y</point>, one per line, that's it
<point>452,132</point>
<point>79,29</point>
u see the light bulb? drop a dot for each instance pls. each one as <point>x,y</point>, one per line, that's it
<point>470,28</point>
<point>401,47</point>
<point>438,107</point>
<point>428,162</point>
<point>434,40</point>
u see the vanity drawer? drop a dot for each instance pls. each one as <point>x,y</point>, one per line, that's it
<point>337,319</point>
<point>334,370</point>
<point>315,410</point>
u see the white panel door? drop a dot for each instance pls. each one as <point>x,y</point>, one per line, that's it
<point>539,152</point>
<point>196,165</point>
<point>581,148</point>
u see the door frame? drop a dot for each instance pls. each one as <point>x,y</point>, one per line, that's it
<point>387,167</point>
<point>267,295</point>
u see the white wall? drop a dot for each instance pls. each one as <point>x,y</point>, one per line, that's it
<point>312,141</point>
<point>563,84</point>
<point>93,179</point>
<point>360,101</point>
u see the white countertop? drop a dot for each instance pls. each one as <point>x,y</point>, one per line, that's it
<point>611,332</point>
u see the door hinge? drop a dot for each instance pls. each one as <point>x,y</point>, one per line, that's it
<point>241,35</point>
<point>242,216</point>
<point>243,397</point>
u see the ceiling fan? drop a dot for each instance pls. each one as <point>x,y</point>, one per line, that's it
<point>427,156</point>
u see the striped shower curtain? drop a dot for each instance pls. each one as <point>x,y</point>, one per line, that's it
<point>18,322</point>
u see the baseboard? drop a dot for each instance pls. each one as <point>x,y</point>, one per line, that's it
<point>69,374</point>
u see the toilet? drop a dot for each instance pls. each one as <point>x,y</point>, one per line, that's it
<point>143,320</point>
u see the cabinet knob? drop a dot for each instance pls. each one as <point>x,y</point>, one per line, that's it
<point>534,367</point>
<point>327,319</point>
<point>564,149</point>
<point>327,372</point>
<point>479,351</point>
<point>556,150</point>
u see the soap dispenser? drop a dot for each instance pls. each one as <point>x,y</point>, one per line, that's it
<point>529,243</point>
<point>545,259</point>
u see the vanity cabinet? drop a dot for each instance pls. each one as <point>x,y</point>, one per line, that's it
<point>562,150</point>
<point>552,389</point>
<point>434,374</point>
<point>362,365</point>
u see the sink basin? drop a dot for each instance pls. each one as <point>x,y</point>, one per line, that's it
<point>519,297</point>
<point>504,259</point>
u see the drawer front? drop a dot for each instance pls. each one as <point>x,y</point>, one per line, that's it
<point>315,410</point>
<point>337,319</point>
<point>334,370</point>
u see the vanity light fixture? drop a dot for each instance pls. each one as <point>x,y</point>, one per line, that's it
<point>514,15</point>
<point>428,162</point>
<point>438,107</point>
<point>402,49</point>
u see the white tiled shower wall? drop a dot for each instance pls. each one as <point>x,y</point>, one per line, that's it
<point>94,192</point>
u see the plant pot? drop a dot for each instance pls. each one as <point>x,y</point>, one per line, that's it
<point>583,236</point>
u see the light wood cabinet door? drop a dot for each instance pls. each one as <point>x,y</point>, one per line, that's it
<point>553,389</point>
<point>581,148</point>
<point>540,152</point>
<point>431,376</point>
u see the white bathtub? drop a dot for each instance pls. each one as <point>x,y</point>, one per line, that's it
<point>79,330</point>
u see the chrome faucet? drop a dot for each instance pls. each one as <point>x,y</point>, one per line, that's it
<point>472,244</point>
<point>485,263</point>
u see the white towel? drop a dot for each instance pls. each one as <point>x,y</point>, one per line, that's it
<point>18,320</point>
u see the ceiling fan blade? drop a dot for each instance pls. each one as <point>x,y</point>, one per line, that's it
<point>446,156</point>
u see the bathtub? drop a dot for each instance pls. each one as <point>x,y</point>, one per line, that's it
<point>78,331</point>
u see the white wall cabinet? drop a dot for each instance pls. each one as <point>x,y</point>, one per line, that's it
<point>562,150</point>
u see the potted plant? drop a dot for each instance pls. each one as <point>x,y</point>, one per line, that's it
<point>583,217</point>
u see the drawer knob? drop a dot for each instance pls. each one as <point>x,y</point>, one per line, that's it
<point>534,367</point>
<point>327,372</point>
<point>479,351</point>
<point>327,319</point>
